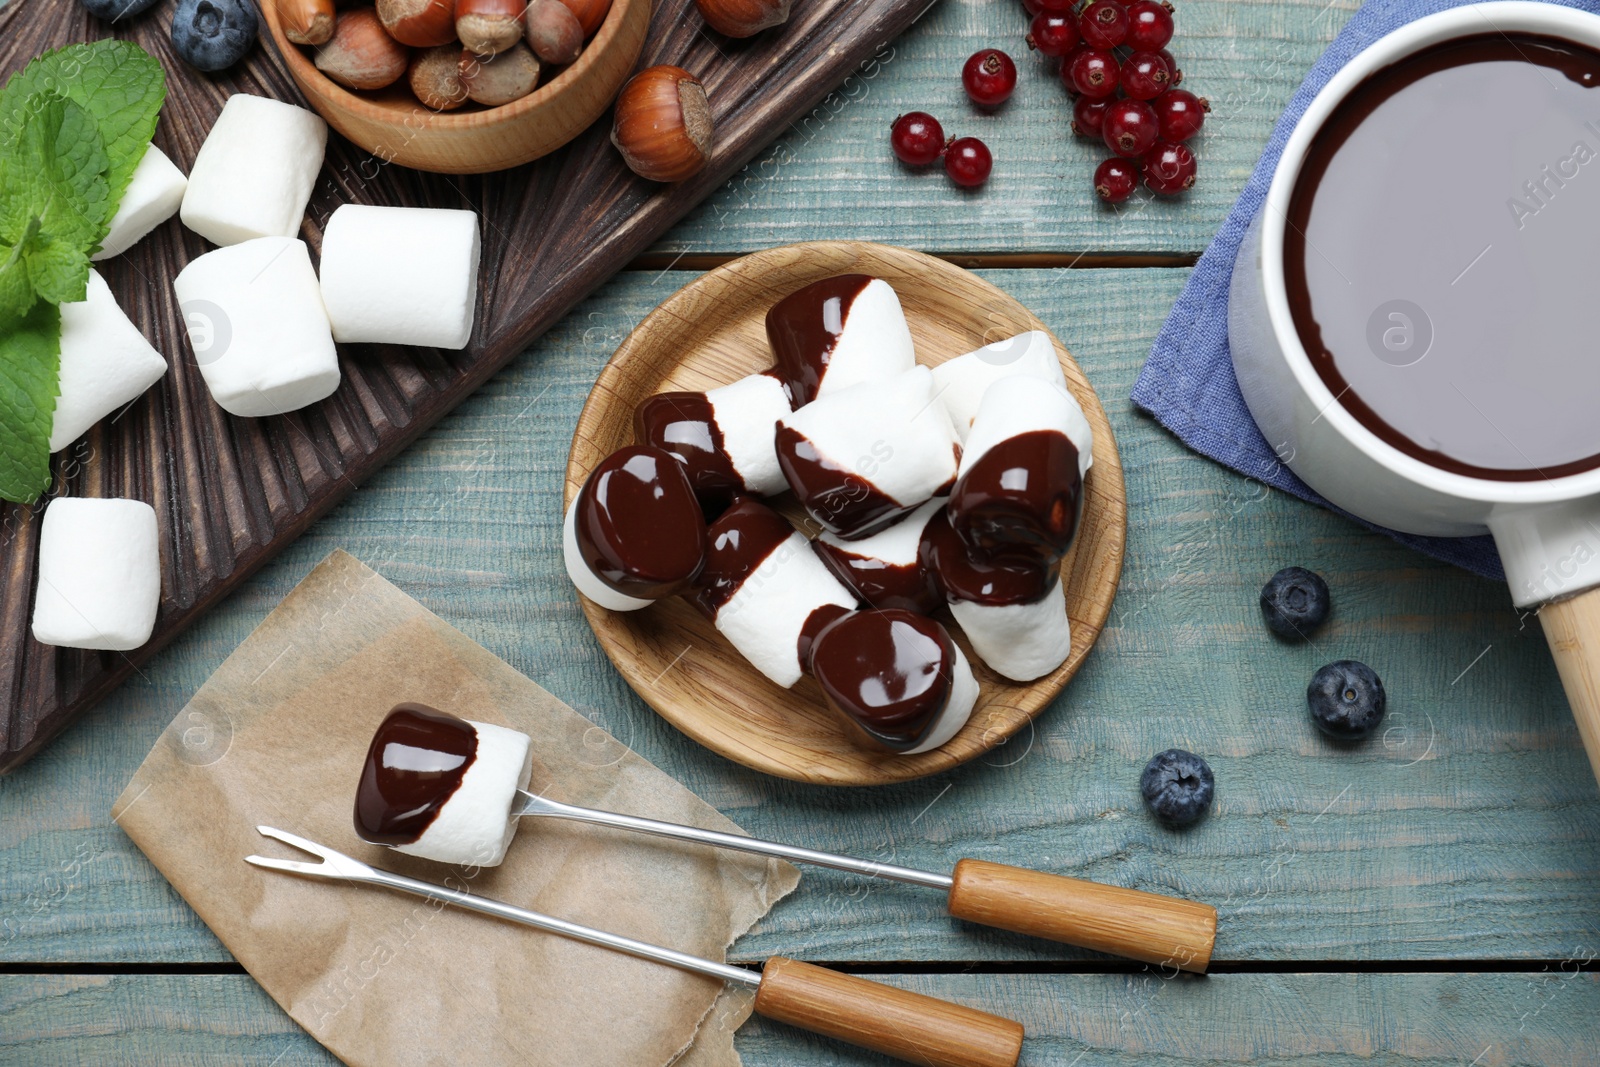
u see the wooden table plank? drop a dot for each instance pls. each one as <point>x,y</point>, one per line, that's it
<point>833,175</point>
<point>1277,1020</point>
<point>1470,829</point>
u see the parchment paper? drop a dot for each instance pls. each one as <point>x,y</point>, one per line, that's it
<point>277,737</point>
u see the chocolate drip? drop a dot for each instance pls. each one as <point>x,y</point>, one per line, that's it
<point>819,620</point>
<point>803,329</point>
<point>904,586</point>
<point>737,544</point>
<point>685,425</point>
<point>844,502</point>
<point>887,673</point>
<point>964,576</point>
<point>1021,498</point>
<point>640,528</point>
<point>415,763</point>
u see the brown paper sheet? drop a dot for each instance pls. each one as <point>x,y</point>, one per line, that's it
<point>277,737</point>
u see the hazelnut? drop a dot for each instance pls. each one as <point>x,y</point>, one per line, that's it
<point>360,55</point>
<point>500,79</point>
<point>419,23</point>
<point>435,77</point>
<point>743,18</point>
<point>307,21</point>
<point>489,26</point>
<point>663,124</point>
<point>554,32</point>
<point>591,13</point>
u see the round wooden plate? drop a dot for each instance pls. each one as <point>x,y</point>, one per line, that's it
<point>712,332</point>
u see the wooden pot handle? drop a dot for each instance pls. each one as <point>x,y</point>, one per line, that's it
<point>1166,931</point>
<point>895,1022</point>
<point>1572,627</point>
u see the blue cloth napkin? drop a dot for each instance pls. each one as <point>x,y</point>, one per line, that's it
<point>1188,382</point>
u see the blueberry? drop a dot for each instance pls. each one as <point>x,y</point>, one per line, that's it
<point>1294,602</point>
<point>115,10</point>
<point>1177,787</point>
<point>1346,699</point>
<point>214,34</point>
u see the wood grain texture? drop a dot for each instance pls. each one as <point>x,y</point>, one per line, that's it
<point>1168,932</point>
<point>1543,1019</point>
<point>908,1026</point>
<point>1469,829</point>
<point>1572,626</point>
<point>712,333</point>
<point>229,492</point>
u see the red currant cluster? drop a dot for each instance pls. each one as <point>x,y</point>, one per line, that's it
<point>1111,45</point>
<point>918,139</point>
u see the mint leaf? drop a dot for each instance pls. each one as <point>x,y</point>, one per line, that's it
<point>30,370</point>
<point>118,83</point>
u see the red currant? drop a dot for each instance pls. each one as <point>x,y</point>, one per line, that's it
<point>1169,167</point>
<point>1180,114</point>
<point>1149,25</point>
<point>1172,65</point>
<point>1091,71</point>
<point>968,162</point>
<point>1103,24</point>
<point>989,77</point>
<point>1088,115</point>
<point>1053,35</point>
<point>1129,127</point>
<point>1032,7</point>
<point>917,138</point>
<point>1145,76</point>
<point>1115,179</point>
<point>1057,7</point>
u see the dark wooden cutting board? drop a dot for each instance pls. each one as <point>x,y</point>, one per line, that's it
<point>232,492</point>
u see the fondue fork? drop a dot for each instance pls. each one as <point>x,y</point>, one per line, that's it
<point>909,1026</point>
<point>1166,931</point>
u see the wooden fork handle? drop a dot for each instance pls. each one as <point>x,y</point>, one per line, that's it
<point>1166,931</point>
<point>896,1022</point>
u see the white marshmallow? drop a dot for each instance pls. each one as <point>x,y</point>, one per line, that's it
<point>254,174</point>
<point>1020,641</point>
<point>401,275</point>
<point>747,414</point>
<point>584,578</point>
<point>896,545</point>
<point>1019,405</point>
<point>957,709</point>
<point>152,197</point>
<point>766,614</point>
<point>99,574</point>
<point>961,382</point>
<point>474,826</point>
<point>257,326</point>
<point>105,363</point>
<point>875,342</point>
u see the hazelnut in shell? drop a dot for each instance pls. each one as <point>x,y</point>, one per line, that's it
<point>435,78</point>
<point>419,23</point>
<point>307,21</point>
<point>488,27</point>
<point>591,13</point>
<point>554,32</point>
<point>663,124</point>
<point>360,55</point>
<point>743,18</point>
<point>500,79</point>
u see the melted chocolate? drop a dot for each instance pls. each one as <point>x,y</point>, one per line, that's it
<point>738,542</point>
<point>818,621</point>
<point>684,425</point>
<point>905,586</point>
<point>1021,498</point>
<point>1439,255</point>
<point>803,328</point>
<point>844,502</point>
<point>415,763</point>
<point>640,528</point>
<point>887,673</point>
<point>965,576</point>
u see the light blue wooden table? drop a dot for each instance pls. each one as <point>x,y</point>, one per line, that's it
<point>1428,898</point>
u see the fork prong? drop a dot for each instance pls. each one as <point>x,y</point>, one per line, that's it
<point>290,866</point>
<point>296,841</point>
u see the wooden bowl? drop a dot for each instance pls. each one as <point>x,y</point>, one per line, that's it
<point>712,332</point>
<point>396,128</point>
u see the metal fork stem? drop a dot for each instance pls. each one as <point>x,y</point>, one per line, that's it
<point>537,805</point>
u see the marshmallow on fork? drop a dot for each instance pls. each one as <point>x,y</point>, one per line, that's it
<point>99,574</point>
<point>257,326</point>
<point>254,174</point>
<point>766,592</point>
<point>837,333</point>
<point>861,457</point>
<point>152,197</point>
<point>401,275</point>
<point>962,382</point>
<point>106,363</point>
<point>888,569</point>
<point>723,437</point>
<point>440,787</point>
<point>635,532</point>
